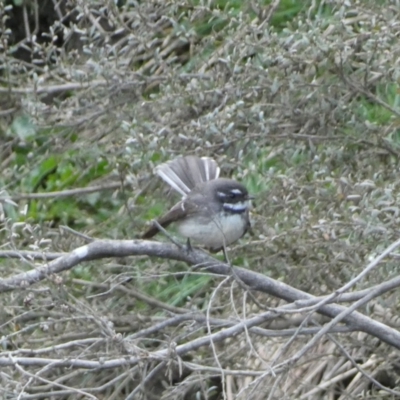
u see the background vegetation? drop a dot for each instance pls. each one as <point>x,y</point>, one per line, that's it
<point>298,100</point>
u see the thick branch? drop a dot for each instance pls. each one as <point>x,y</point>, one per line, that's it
<point>255,281</point>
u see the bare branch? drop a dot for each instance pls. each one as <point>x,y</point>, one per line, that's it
<point>255,281</point>
<point>64,193</point>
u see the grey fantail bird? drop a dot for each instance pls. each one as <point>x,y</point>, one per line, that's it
<point>213,212</point>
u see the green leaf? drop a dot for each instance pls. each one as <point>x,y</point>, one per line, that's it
<point>22,127</point>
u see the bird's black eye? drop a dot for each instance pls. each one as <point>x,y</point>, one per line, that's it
<point>232,195</point>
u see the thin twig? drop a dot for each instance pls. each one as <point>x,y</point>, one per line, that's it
<point>63,193</point>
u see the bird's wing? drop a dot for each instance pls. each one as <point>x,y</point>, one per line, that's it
<point>175,214</point>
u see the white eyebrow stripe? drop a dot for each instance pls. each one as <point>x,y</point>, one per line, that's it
<point>236,191</point>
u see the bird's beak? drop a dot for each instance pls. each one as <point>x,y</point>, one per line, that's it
<point>250,197</point>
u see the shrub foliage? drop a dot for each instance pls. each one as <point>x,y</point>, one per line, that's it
<point>298,100</point>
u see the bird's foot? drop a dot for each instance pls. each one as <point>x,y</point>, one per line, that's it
<point>189,247</point>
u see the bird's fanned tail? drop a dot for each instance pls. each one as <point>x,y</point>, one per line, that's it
<point>184,173</point>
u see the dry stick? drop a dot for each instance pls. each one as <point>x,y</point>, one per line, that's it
<point>119,362</point>
<point>110,383</point>
<point>50,89</point>
<point>109,248</point>
<point>355,280</point>
<point>368,94</point>
<point>152,301</point>
<point>156,371</point>
<point>57,347</point>
<point>108,289</point>
<point>216,322</point>
<point>63,193</point>
<point>218,53</point>
<point>214,370</point>
<point>127,375</point>
<point>316,372</point>
<point>274,387</point>
<point>76,233</point>
<point>68,376</point>
<point>246,331</point>
<point>31,255</point>
<point>325,329</point>
<point>241,284</point>
<point>361,370</point>
<point>154,356</point>
<point>343,376</point>
<point>116,393</point>
<point>36,376</point>
<point>214,351</point>
<point>94,21</point>
<point>56,88</point>
<point>26,23</point>
<point>270,11</point>
<point>383,287</point>
<point>56,394</point>
<point>291,340</point>
<point>146,332</point>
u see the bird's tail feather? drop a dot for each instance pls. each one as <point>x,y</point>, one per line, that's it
<point>184,173</point>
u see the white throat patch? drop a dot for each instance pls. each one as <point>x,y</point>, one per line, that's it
<point>237,207</point>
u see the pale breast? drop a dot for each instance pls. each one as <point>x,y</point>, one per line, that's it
<point>214,233</point>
